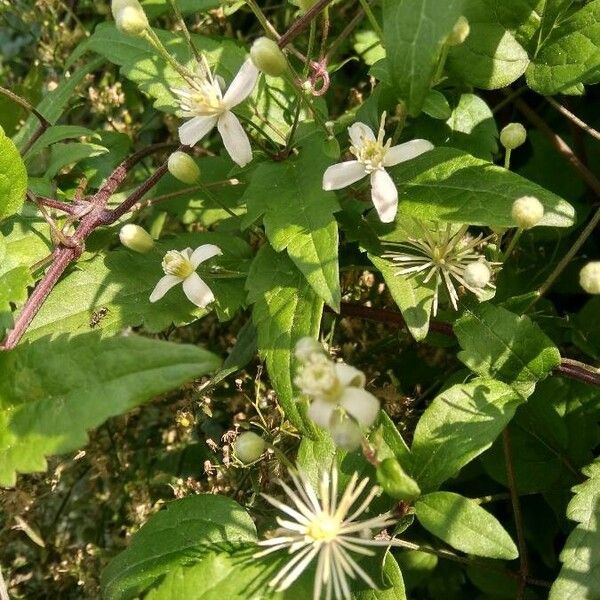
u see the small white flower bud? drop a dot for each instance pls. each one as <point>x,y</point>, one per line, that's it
<point>513,135</point>
<point>268,57</point>
<point>183,167</point>
<point>317,378</point>
<point>589,277</point>
<point>129,16</point>
<point>306,347</point>
<point>477,274</point>
<point>136,238</point>
<point>248,447</point>
<point>527,211</point>
<point>345,432</point>
<point>459,32</point>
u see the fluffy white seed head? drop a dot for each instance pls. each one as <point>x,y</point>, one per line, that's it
<point>248,447</point>
<point>513,135</point>
<point>268,57</point>
<point>527,211</point>
<point>477,274</point>
<point>183,167</point>
<point>589,277</point>
<point>136,238</point>
<point>459,32</point>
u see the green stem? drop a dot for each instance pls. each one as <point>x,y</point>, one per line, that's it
<point>507,158</point>
<point>513,244</point>
<point>262,19</point>
<point>153,39</point>
<point>441,64</point>
<point>372,20</point>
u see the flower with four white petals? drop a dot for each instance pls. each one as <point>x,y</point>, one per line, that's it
<point>180,267</point>
<point>318,526</point>
<point>206,106</point>
<point>372,158</point>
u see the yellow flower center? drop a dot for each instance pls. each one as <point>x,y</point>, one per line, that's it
<point>206,102</point>
<point>324,528</point>
<point>175,263</point>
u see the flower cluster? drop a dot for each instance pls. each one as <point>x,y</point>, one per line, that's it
<point>339,402</point>
<point>445,255</point>
<point>319,527</point>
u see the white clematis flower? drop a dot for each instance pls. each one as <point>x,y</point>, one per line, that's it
<point>180,267</point>
<point>207,106</point>
<point>372,157</point>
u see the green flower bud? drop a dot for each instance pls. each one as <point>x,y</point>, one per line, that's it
<point>395,482</point>
<point>183,167</point>
<point>248,447</point>
<point>477,274</point>
<point>459,32</point>
<point>513,135</point>
<point>268,57</point>
<point>129,16</point>
<point>527,211</point>
<point>136,238</point>
<point>589,277</point>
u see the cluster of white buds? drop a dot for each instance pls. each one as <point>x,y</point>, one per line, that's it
<point>339,402</point>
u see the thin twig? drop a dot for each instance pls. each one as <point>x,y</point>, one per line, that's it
<point>516,504</point>
<point>574,118</point>
<point>302,23</point>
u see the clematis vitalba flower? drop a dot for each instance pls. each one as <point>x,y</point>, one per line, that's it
<point>373,155</point>
<point>180,267</point>
<point>206,106</point>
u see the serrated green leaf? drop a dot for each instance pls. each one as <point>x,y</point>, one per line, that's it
<point>570,55</point>
<point>285,310</point>
<point>579,576</point>
<point>53,391</point>
<point>449,185</point>
<point>414,31</point>
<point>188,529</point>
<point>458,426</point>
<point>464,525</point>
<point>13,177</point>
<point>298,216</point>
<point>110,292</point>
<point>414,298</point>
<point>502,345</point>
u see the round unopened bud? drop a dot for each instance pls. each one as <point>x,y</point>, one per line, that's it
<point>395,482</point>
<point>183,167</point>
<point>248,447</point>
<point>129,16</point>
<point>589,277</point>
<point>477,274</point>
<point>306,347</point>
<point>136,238</point>
<point>268,57</point>
<point>513,135</point>
<point>527,211</point>
<point>459,32</point>
<point>345,432</point>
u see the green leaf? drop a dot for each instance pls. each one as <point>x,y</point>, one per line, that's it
<point>117,288</point>
<point>458,426</point>
<point>26,241</point>
<point>414,31</point>
<point>59,133</point>
<point>449,185</point>
<point>62,155</point>
<point>437,106</point>
<point>464,525</point>
<point>13,290</point>
<point>393,576</point>
<point>579,576</point>
<point>502,345</point>
<point>155,8</point>
<point>52,392</point>
<point>285,310</point>
<point>298,215</point>
<point>13,177</point>
<point>570,55</point>
<point>414,298</point>
<point>177,536</point>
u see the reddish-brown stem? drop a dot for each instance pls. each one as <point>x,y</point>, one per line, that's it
<point>302,23</point>
<point>66,207</point>
<point>516,504</point>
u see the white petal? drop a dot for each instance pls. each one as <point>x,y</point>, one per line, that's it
<point>192,131</point>
<point>349,376</point>
<point>406,151</point>
<point>346,434</point>
<point>235,139</point>
<point>163,286</point>
<point>242,85</point>
<point>197,291</point>
<point>384,195</point>
<point>342,175</point>
<point>359,132</point>
<point>362,405</point>
<point>203,253</point>
<point>320,412</point>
